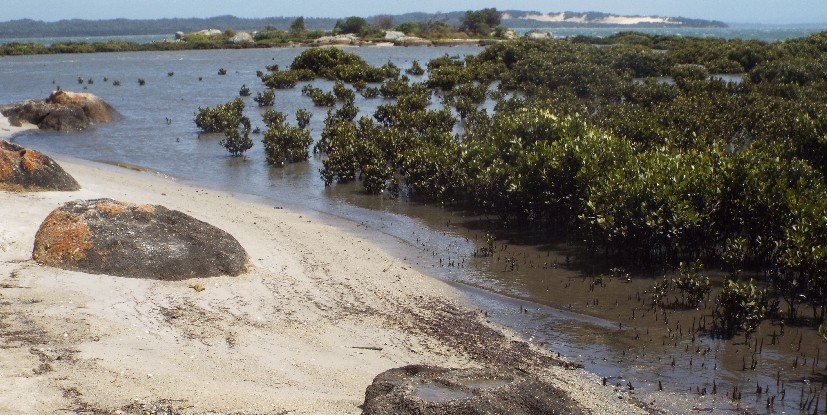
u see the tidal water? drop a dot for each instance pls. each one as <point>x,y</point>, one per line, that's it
<point>547,298</point>
<point>63,39</point>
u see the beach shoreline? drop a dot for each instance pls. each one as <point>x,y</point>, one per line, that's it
<point>8,131</point>
<point>320,314</point>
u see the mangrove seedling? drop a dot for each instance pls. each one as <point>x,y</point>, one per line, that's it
<point>265,98</point>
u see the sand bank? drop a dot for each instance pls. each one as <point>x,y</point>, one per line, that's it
<point>7,130</point>
<point>321,313</point>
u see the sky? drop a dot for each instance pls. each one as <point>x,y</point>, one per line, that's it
<point>730,11</point>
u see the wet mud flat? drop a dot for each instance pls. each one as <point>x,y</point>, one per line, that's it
<point>609,323</point>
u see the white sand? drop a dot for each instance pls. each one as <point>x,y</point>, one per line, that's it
<point>284,338</point>
<point>581,18</point>
<point>8,130</point>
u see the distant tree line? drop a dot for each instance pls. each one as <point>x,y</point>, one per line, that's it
<point>121,27</point>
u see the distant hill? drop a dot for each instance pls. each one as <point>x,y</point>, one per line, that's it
<point>511,18</point>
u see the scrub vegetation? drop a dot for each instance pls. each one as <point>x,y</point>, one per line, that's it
<point>634,144</point>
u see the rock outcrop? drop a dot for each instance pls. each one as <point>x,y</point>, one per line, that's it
<point>345,39</point>
<point>22,169</point>
<point>427,390</point>
<point>209,32</point>
<point>104,236</point>
<point>62,111</point>
<point>538,35</point>
<point>241,37</point>
<point>393,35</point>
<point>509,34</point>
<point>411,41</point>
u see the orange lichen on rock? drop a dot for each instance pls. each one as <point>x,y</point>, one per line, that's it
<point>63,237</point>
<point>32,160</point>
<point>115,208</point>
<point>111,207</point>
<point>22,169</point>
<point>94,107</point>
<point>6,166</point>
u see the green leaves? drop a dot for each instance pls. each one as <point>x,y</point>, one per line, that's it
<point>265,98</point>
<point>284,143</point>
<point>227,118</point>
<point>334,63</point>
<point>741,306</point>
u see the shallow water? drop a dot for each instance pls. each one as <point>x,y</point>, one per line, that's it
<point>606,326</point>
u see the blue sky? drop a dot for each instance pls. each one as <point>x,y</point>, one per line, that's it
<point>736,11</point>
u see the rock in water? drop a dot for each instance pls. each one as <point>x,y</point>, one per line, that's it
<point>393,35</point>
<point>62,111</point>
<point>104,236</point>
<point>427,390</point>
<point>538,35</point>
<point>95,108</point>
<point>22,169</point>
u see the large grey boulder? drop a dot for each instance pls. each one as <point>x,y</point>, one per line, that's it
<point>393,35</point>
<point>62,111</point>
<point>22,169</point>
<point>411,41</point>
<point>104,236</point>
<point>345,39</point>
<point>509,34</point>
<point>241,37</point>
<point>538,35</point>
<point>209,32</point>
<point>429,390</point>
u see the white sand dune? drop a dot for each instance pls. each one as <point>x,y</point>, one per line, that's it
<point>581,18</point>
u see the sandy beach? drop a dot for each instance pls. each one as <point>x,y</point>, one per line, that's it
<point>320,314</point>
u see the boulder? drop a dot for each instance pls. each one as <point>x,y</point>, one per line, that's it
<point>179,35</point>
<point>104,236</point>
<point>209,32</point>
<point>509,34</point>
<point>538,35</point>
<point>345,39</point>
<point>241,37</point>
<point>393,35</point>
<point>429,390</point>
<point>411,41</point>
<point>22,169</point>
<point>62,111</point>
